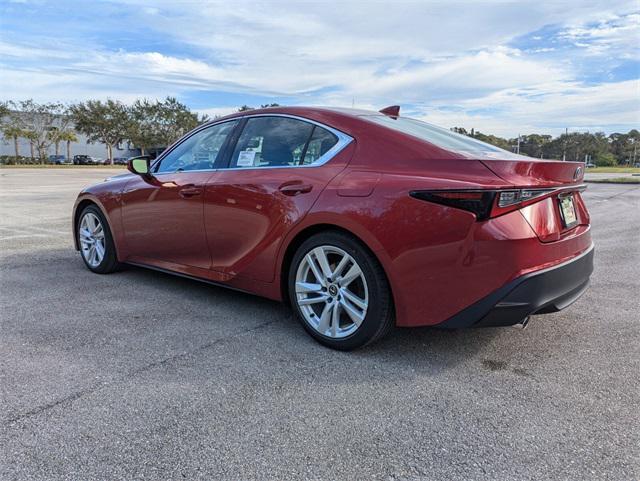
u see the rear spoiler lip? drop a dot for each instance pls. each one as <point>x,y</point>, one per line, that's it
<point>578,177</point>
<point>551,190</point>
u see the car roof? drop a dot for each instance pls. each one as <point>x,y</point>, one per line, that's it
<point>342,119</point>
<point>304,111</point>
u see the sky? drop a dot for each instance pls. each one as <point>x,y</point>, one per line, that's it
<point>501,67</point>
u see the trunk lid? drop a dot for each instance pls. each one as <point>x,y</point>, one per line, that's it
<point>546,217</point>
<point>529,172</point>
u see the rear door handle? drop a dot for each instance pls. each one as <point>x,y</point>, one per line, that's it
<point>295,188</point>
<point>190,191</point>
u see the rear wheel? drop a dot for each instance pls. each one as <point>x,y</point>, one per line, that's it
<point>340,292</point>
<point>96,242</point>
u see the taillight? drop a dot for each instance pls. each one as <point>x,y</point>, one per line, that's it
<point>479,202</point>
<point>483,203</point>
<point>511,197</point>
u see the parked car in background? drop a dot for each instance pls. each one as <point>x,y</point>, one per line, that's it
<point>57,160</point>
<point>360,220</point>
<point>125,160</point>
<point>120,160</point>
<point>86,160</point>
<point>590,165</point>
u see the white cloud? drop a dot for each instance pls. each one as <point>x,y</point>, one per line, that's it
<point>618,35</point>
<point>213,112</point>
<point>558,106</point>
<point>449,60</point>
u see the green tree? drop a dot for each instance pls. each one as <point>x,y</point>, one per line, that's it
<point>624,147</point>
<point>489,139</point>
<point>68,136</point>
<point>634,144</point>
<point>39,120</point>
<point>4,110</point>
<point>244,108</point>
<point>576,146</point>
<point>533,144</point>
<point>141,128</point>
<point>13,132</point>
<point>492,139</point>
<point>32,137</point>
<point>61,125</point>
<point>173,119</point>
<point>605,159</point>
<point>13,126</point>
<point>100,121</point>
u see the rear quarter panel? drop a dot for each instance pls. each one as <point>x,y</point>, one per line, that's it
<point>438,259</point>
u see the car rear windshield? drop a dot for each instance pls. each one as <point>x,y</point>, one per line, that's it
<point>440,137</point>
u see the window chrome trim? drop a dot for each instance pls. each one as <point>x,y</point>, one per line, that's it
<point>343,141</point>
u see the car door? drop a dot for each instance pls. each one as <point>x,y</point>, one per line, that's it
<point>277,168</point>
<point>162,215</point>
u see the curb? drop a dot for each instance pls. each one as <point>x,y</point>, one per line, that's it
<point>607,181</point>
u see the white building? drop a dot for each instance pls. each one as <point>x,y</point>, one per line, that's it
<point>82,147</point>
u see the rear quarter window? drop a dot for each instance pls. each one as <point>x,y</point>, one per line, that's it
<point>443,138</point>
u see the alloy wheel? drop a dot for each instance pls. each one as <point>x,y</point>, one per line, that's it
<point>92,241</point>
<point>331,291</point>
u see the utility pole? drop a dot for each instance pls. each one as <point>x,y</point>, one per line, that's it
<point>518,148</point>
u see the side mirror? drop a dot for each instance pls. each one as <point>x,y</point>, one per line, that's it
<point>139,166</point>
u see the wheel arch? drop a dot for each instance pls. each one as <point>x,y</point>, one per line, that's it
<point>81,204</point>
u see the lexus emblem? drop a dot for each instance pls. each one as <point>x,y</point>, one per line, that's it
<point>577,174</point>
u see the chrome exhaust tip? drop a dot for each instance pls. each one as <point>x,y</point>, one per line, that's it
<point>522,325</point>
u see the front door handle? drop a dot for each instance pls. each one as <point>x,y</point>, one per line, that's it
<point>295,188</point>
<point>190,191</point>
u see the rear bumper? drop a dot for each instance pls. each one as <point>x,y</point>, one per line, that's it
<point>538,292</point>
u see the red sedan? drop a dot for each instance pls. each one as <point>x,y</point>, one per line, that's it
<point>361,220</point>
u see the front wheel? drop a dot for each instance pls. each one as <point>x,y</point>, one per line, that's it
<point>340,292</point>
<point>96,242</point>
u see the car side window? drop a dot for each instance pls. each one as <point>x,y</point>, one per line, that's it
<point>271,142</point>
<point>198,152</point>
<point>320,143</point>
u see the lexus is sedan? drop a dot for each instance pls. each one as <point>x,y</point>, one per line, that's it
<point>360,220</point>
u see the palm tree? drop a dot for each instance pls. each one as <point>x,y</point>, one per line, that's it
<point>68,136</point>
<point>4,109</point>
<point>13,132</point>
<point>54,136</point>
<point>32,137</point>
<point>12,125</point>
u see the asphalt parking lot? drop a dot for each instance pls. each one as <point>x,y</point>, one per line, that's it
<point>142,375</point>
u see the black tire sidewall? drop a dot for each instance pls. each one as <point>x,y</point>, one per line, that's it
<point>379,292</point>
<point>109,261</point>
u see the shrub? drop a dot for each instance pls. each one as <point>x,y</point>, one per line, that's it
<point>22,160</point>
<point>605,159</point>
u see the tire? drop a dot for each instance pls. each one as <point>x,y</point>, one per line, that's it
<point>99,238</point>
<point>356,287</point>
